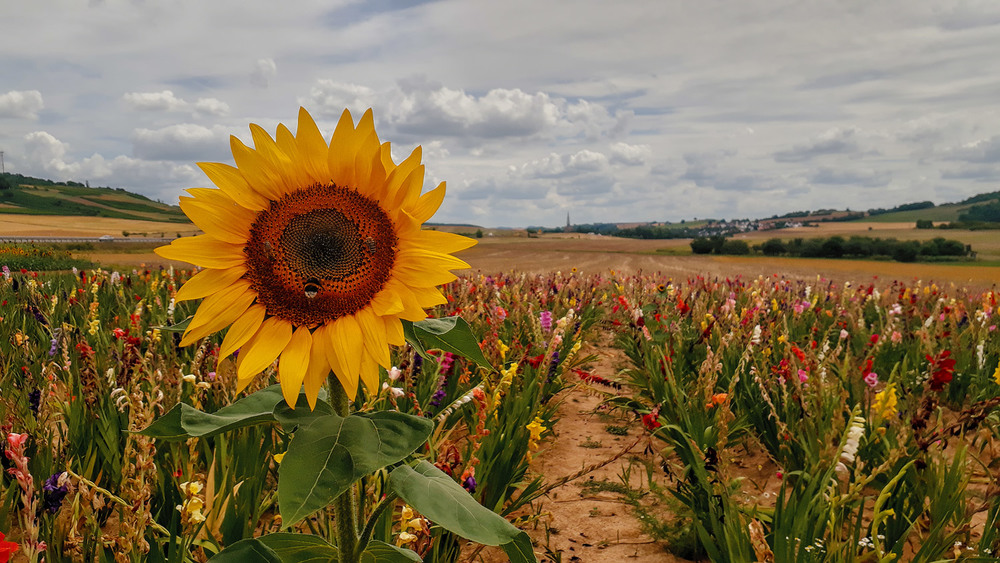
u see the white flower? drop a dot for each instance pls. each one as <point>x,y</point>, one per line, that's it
<point>394,373</point>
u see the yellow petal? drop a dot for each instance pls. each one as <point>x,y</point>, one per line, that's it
<point>412,311</point>
<point>373,330</point>
<point>386,302</point>
<point>428,204</point>
<point>293,364</point>
<point>369,373</point>
<point>312,147</point>
<point>394,331</point>
<point>205,251</point>
<point>255,169</point>
<point>207,282</point>
<point>319,367</point>
<point>219,310</point>
<point>425,268</point>
<point>296,171</point>
<point>343,149</point>
<point>278,163</point>
<point>228,225</point>
<point>409,190</point>
<point>395,178</point>
<point>230,181</point>
<point>242,330</point>
<point>428,296</point>
<point>368,162</point>
<point>387,162</point>
<point>438,241</point>
<point>262,349</point>
<point>347,347</point>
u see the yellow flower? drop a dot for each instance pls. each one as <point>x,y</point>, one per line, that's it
<point>279,457</point>
<point>503,350</point>
<point>996,374</point>
<point>886,401</point>
<point>536,429</point>
<point>782,339</point>
<point>313,252</point>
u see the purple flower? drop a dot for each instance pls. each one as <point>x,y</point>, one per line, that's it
<point>53,492</point>
<point>470,484</point>
<point>546,319</point>
<point>54,347</point>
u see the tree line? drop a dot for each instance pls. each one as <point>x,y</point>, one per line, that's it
<point>838,247</point>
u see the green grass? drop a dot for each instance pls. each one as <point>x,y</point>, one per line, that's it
<point>946,212</point>
<point>65,200</point>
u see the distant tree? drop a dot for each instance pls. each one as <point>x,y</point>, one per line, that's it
<point>735,247</point>
<point>833,247</point>
<point>479,233</point>
<point>906,251</point>
<point>5,184</point>
<point>925,224</point>
<point>858,246</point>
<point>702,245</point>
<point>987,212</point>
<point>773,247</point>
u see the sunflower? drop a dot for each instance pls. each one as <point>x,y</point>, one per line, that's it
<point>313,254</point>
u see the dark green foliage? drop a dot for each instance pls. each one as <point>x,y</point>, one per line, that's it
<point>734,247</point>
<point>987,212</point>
<point>773,247</point>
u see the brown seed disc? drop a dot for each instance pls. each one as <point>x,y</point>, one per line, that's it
<point>319,254</point>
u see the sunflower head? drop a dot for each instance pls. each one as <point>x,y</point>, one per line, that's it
<point>313,254</point>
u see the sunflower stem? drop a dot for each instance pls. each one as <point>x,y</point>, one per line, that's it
<point>345,509</point>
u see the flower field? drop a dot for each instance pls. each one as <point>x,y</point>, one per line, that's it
<point>875,406</point>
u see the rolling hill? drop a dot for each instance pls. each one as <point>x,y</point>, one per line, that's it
<point>24,195</point>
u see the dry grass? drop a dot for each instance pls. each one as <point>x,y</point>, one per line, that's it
<point>64,226</point>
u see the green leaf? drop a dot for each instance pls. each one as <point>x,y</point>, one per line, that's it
<point>519,550</point>
<point>381,552</point>
<point>290,419</point>
<point>435,495</point>
<point>279,548</point>
<point>329,453</point>
<point>451,334</point>
<point>184,421</point>
<point>179,327</point>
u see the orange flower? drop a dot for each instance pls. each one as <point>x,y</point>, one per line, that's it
<point>717,400</point>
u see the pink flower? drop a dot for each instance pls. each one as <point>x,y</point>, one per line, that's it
<point>896,337</point>
<point>803,375</point>
<point>843,334</point>
<point>871,378</point>
<point>16,440</point>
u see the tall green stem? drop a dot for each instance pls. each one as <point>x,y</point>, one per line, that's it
<point>345,509</point>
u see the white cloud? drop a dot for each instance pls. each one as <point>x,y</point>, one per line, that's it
<point>264,71</point>
<point>185,142</point>
<point>168,102</point>
<point>632,155</point>
<point>21,104</point>
<point>418,107</point>
<point>47,156</point>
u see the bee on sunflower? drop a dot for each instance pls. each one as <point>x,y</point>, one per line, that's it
<point>313,254</point>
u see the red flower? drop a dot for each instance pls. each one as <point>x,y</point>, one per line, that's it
<point>650,420</point>
<point>799,354</point>
<point>535,361</point>
<point>118,333</point>
<point>7,548</point>
<point>942,369</point>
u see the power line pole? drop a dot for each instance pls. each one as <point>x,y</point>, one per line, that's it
<point>3,169</point>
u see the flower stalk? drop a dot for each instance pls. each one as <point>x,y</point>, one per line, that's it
<point>345,508</point>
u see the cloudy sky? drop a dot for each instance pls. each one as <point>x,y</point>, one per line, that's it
<point>610,111</point>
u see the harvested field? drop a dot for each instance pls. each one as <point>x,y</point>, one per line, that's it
<point>64,226</point>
